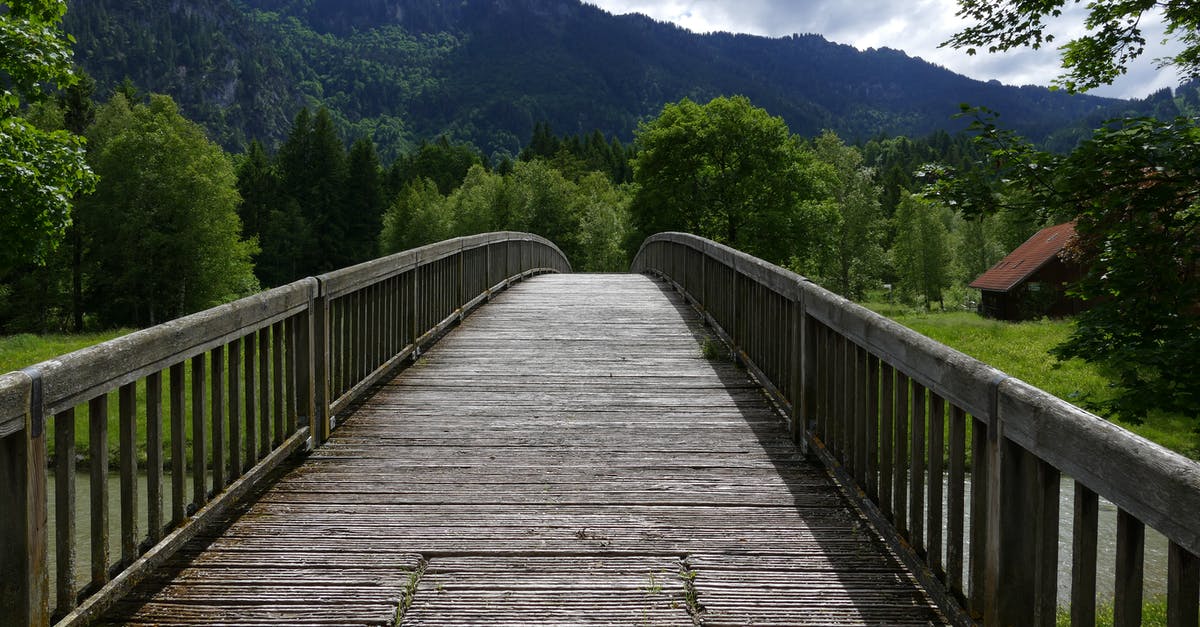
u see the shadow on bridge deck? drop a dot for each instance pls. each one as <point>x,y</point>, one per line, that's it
<point>565,456</point>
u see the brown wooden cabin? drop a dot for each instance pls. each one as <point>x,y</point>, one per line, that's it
<point>1032,280</point>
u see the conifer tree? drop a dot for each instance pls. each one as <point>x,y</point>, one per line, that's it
<point>364,202</point>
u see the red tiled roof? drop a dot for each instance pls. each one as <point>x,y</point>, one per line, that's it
<point>1021,263</point>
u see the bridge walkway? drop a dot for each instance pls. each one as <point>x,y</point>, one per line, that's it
<point>567,455</point>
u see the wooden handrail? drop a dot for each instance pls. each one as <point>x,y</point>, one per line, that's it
<point>870,398</point>
<point>268,376</point>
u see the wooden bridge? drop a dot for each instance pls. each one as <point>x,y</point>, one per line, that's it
<point>709,441</point>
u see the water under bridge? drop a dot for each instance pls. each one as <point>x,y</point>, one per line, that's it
<point>468,433</point>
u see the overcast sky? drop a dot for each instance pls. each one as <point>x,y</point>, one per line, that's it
<point>914,26</point>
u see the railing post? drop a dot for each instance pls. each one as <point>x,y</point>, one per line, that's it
<point>319,369</point>
<point>1022,541</point>
<point>803,358</point>
<point>462,300</point>
<point>734,334</point>
<point>25,592</point>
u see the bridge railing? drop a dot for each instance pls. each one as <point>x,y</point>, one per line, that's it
<point>958,464</point>
<point>206,407</point>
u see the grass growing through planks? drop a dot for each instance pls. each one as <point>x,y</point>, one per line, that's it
<point>410,591</point>
<point>1022,349</point>
<point>712,349</point>
<point>688,576</point>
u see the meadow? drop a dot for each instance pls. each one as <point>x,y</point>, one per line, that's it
<point>1022,349</point>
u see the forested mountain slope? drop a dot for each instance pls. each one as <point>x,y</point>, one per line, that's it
<point>487,71</point>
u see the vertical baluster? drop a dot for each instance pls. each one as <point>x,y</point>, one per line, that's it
<point>249,387</point>
<point>820,373</point>
<point>357,307</point>
<point>872,427</point>
<point>277,381</point>
<point>900,455</point>
<point>979,515</point>
<point>887,463</point>
<point>234,349</point>
<point>849,418</point>
<point>178,441</point>
<point>858,395</point>
<point>916,482</point>
<point>346,350</point>
<point>199,448</point>
<point>841,413</point>
<point>1046,550</point>
<point>809,369</point>
<point>264,392</point>
<point>1127,594</point>
<point>937,449</point>
<point>98,450</point>
<point>1183,587</point>
<point>64,504</point>
<point>796,353</point>
<point>154,460</point>
<point>1085,524</point>
<point>290,376</point>
<point>127,410</point>
<point>333,318</point>
<point>218,418</point>
<point>956,501</point>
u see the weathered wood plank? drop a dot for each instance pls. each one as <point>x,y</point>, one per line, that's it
<point>565,456</point>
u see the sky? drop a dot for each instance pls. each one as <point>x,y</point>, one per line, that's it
<point>914,26</point>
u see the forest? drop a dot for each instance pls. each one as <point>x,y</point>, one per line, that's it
<point>194,226</point>
<point>487,72</point>
<point>93,243</point>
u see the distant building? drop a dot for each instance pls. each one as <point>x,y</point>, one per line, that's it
<point>1032,280</point>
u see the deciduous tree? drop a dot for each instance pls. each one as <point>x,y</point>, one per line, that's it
<point>921,254</point>
<point>166,238</point>
<point>1135,191</point>
<point>40,170</point>
<point>1114,38</point>
<point>726,170</point>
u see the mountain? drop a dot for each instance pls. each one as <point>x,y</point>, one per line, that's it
<point>487,71</point>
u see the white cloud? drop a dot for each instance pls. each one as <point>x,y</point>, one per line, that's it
<point>916,27</point>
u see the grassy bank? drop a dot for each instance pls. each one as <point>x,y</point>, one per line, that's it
<point>19,351</point>
<point>1023,350</point>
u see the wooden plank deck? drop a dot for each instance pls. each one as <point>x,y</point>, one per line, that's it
<point>565,456</point>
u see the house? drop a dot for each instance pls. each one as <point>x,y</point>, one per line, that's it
<point>1032,281</point>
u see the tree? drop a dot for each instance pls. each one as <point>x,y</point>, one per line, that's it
<point>1138,233</point>
<point>166,238</point>
<point>726,170</point>
<point>603,224</point>
<point>1135,192</point>
<point>364,203</point>
<point>442,162</point>
<point>1114,40</point>
<point>417,216</point>
<point>921,254</point>
<point>312,167</point>
<point>259,187</point>
<point>40,170</point>
<point>855,253</point>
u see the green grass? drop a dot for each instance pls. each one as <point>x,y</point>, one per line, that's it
<point>19,351</point>
<point>1022,349</point>
<point>1154,614</point>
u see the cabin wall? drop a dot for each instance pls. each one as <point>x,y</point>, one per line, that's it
<point>1044,293</point>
